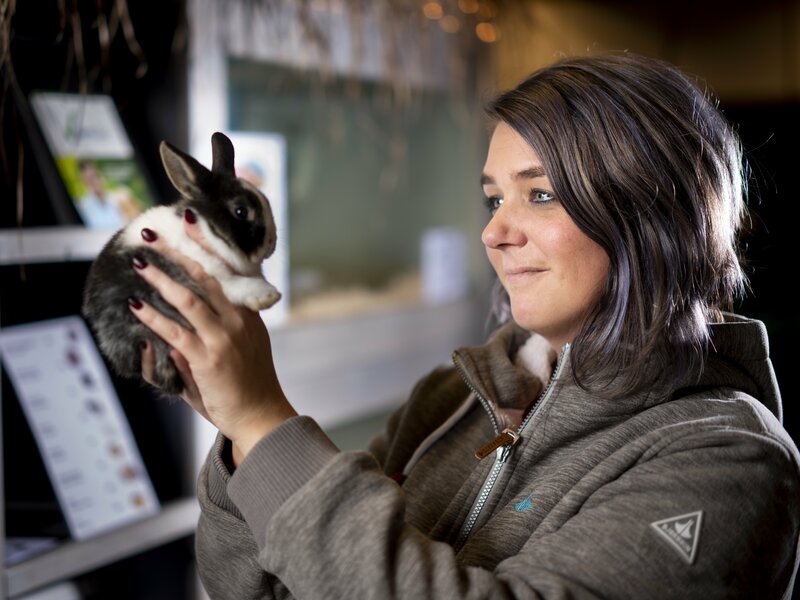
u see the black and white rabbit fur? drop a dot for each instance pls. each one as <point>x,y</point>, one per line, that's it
<point>237,225</point>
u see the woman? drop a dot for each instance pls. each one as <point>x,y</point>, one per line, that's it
<point>628,430</point>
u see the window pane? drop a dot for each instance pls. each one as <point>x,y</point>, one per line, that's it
<point>368,174</point>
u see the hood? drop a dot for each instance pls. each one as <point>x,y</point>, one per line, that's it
<point>739,358</point>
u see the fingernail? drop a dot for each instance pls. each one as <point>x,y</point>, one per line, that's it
<point>148,235</point>
<point>139,262</point>
<point>134,303</point>
<point>190,217</point>
<point>143,345</point>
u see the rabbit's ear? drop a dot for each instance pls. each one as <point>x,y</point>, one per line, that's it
<point>222,152</point>
<point>187,175</point>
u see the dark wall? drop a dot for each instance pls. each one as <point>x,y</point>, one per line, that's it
<point>769,135</point>
<point>151,101</point>
<point>152,105</point>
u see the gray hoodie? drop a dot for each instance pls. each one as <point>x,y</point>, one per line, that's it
<point>691,490</point>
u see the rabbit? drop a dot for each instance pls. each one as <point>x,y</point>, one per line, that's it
<point>237,225</point>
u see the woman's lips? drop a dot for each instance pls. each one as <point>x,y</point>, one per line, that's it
<point>522,273</point>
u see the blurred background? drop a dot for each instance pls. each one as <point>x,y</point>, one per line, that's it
<point>364,121</point>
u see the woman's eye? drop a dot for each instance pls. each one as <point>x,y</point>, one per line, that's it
<point>241,212</point>
<point>542,196</point>
<point>493,203</point>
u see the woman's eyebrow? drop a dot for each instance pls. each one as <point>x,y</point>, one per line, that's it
<point>529,173</point>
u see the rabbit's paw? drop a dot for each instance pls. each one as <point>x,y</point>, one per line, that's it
<point>263,301</point>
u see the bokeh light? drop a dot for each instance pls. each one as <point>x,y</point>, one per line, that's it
<point>433,10</point>
<point>487,32</point>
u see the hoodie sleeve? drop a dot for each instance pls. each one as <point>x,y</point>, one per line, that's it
<point>224,546</point>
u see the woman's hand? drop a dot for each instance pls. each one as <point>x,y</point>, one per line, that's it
<point>226,363</point>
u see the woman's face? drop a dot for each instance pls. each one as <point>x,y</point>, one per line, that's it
<point>552,271</point>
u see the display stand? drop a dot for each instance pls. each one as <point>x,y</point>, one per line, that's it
<point>72,558</point>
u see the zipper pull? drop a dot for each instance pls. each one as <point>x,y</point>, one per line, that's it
<point>506,440</point>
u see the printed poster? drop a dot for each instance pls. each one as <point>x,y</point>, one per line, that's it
<point>94,157</point>
<point>260,159</point>
<point>78,423</point>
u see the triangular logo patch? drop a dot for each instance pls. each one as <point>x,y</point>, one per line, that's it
<point>682,533</point>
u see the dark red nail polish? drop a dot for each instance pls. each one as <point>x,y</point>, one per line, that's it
<point>139,262</point>
<point>134,303</point>
<point>190,217</point>
<point>148,235</point>
<point>143,345</point>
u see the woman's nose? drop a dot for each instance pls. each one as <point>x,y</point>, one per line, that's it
<point>502,229</point>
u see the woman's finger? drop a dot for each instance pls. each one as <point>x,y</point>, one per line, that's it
<point>194,269</point>
<point>183,340</point>
<point>148,362</point>
<point>194,232</point>
<point>184,300</point>
<point>191,393</point>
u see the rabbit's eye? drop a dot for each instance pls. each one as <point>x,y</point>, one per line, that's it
<point>241,212</point>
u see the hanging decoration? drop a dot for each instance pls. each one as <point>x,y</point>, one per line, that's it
<point>101,22</point>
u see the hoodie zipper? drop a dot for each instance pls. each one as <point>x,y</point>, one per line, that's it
<point>501,444</point>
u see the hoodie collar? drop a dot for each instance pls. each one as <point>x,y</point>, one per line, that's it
<point>494,374</point>
<point>738,358</point>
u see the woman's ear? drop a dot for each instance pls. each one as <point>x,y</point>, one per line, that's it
<point>188,176</point>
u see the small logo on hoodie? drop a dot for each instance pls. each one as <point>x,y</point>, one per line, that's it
<point>525,504</point>
<point>682,533</point>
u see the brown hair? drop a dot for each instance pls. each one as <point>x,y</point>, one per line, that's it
<point>648,167</point>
